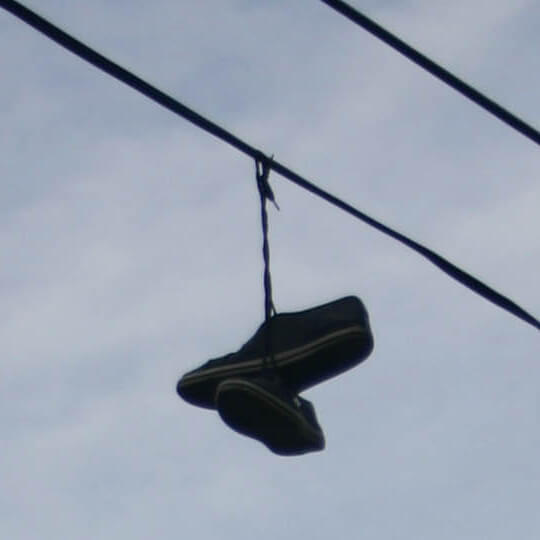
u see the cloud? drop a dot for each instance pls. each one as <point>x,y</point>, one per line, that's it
<point>131,252</point>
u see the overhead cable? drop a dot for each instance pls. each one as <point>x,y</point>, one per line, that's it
<point>106,65</point>
<point>435,69</point>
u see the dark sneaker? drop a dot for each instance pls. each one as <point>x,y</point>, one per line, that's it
<point>309,347</point>
<point>263,409</point>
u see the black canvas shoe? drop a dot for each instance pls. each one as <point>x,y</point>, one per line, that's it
<point>263,409</point>
<point>308,347</point>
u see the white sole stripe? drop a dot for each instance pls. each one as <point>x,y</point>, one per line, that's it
<point>281,359</point>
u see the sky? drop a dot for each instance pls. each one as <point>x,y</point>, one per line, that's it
<point>130,253</point>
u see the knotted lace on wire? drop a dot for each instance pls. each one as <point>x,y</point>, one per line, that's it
<point>265,192</point>
<point>262,171</point>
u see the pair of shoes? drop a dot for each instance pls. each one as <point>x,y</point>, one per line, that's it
<point>308,347</point>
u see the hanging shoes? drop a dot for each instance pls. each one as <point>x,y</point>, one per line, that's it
<point>255,390</point>
<point>264,409</point>
<point>308,348</point>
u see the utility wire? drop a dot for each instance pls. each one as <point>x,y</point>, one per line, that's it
<point>435,69</point>
<point>91,56</point>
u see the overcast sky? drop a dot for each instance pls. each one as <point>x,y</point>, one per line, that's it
<point>130,252</point>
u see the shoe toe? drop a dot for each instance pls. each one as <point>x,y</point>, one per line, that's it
<point>200,395</point>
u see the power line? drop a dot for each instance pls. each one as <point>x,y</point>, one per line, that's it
<point>435,69</point>
<point>86,53</point>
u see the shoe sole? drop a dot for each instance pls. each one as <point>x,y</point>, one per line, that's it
<point>302,367</point>
<point>250,410</point>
